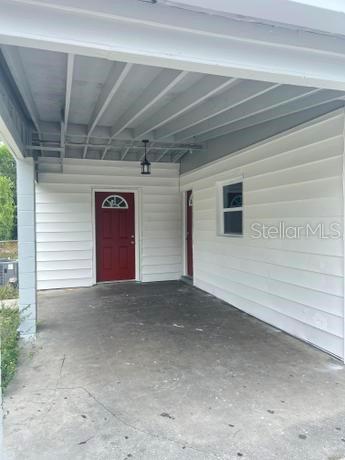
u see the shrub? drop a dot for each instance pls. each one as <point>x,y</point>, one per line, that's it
<point>9,323</point>
<point>8,292</point>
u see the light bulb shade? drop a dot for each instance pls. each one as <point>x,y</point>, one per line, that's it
<point>145,164</point>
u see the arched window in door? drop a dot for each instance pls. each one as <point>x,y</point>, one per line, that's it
<point>115,202</point>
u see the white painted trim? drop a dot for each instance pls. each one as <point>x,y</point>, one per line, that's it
<point>68,90</point>
<point>175,38</point>
<point>321,15</point>
<point>137,222</point>
<point>8,137</point>
<point>220,209</point>
<point>184,232</point>
<point>343,193</point>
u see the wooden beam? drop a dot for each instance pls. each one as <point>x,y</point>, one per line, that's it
<point>322,15</point>
<point>162,155</point>
<point>80,131</point>
<point>242,92</point>
<point>17,69</point>
<point>170,37</point>
<point>125,152</point>
<point>275,98</point>
<point>206,87</point>
<point>116,77</point>
<point>165,81</point>
<point>189,146</point>
<point>68,91</point>
<point>309,101</point>
<point>180,155</point>
<point>45,148</point>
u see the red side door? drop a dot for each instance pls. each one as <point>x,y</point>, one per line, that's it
<point>189,236</point>
<point>115,236</point>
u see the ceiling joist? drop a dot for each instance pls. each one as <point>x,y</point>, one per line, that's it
<point>242,92</point>
<point>207,87</point>
<point>161,85</point>
<point>117,76</point>
<point>308,101</point>
<point>69,82</point>
<point>17,69</point>
<point>275,97</point>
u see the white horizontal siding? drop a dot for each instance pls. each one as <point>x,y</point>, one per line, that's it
<point>65,227</point>
<point>296,285</point>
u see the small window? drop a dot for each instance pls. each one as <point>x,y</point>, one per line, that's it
<point>231,209</point>
<point>115,201</point>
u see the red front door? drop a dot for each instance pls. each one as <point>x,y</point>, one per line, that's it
<point>189,235</point>
<point>115,236</point>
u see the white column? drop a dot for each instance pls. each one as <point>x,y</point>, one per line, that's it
<point>26,246</point>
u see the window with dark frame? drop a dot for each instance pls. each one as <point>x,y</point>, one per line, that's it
<point>232,211</point>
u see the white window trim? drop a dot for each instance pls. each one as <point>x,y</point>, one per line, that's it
<point>114,207</point>
<point>221,209</point>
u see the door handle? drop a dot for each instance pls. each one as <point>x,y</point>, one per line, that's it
<point>132,242</point>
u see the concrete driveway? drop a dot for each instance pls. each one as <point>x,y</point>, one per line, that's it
<point>165,371</point>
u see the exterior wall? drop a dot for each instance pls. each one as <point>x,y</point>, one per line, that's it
<point>295,285</point>
<point>65,223</point>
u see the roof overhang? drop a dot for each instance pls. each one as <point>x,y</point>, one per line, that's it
<point>161,35</point>
<point>179,77</point>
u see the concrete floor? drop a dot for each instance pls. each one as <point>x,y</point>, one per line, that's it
<point>165,371</point>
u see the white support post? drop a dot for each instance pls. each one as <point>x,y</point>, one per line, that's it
<point>26,246</point>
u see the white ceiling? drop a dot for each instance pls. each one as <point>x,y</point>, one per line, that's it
<point>85,107</point>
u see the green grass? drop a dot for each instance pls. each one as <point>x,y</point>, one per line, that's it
<point>9,322</point>
<point>8,292</point>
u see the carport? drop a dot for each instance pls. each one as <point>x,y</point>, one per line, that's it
<point>243,122</point>
<point>236,108</point>
<point>242,114</point>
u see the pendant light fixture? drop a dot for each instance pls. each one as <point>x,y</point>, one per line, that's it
<point>145,164</point>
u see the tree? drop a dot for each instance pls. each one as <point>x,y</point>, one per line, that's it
<point>8,170</point>
<point>7,208</point>
<point>7,164</point>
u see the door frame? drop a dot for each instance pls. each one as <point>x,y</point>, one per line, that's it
<point>184,232</point>
<point>137,225</point>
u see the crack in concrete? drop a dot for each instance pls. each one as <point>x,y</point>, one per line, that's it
<point>62,364</point>
<point>56,384</point>
<point>133,427</point>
